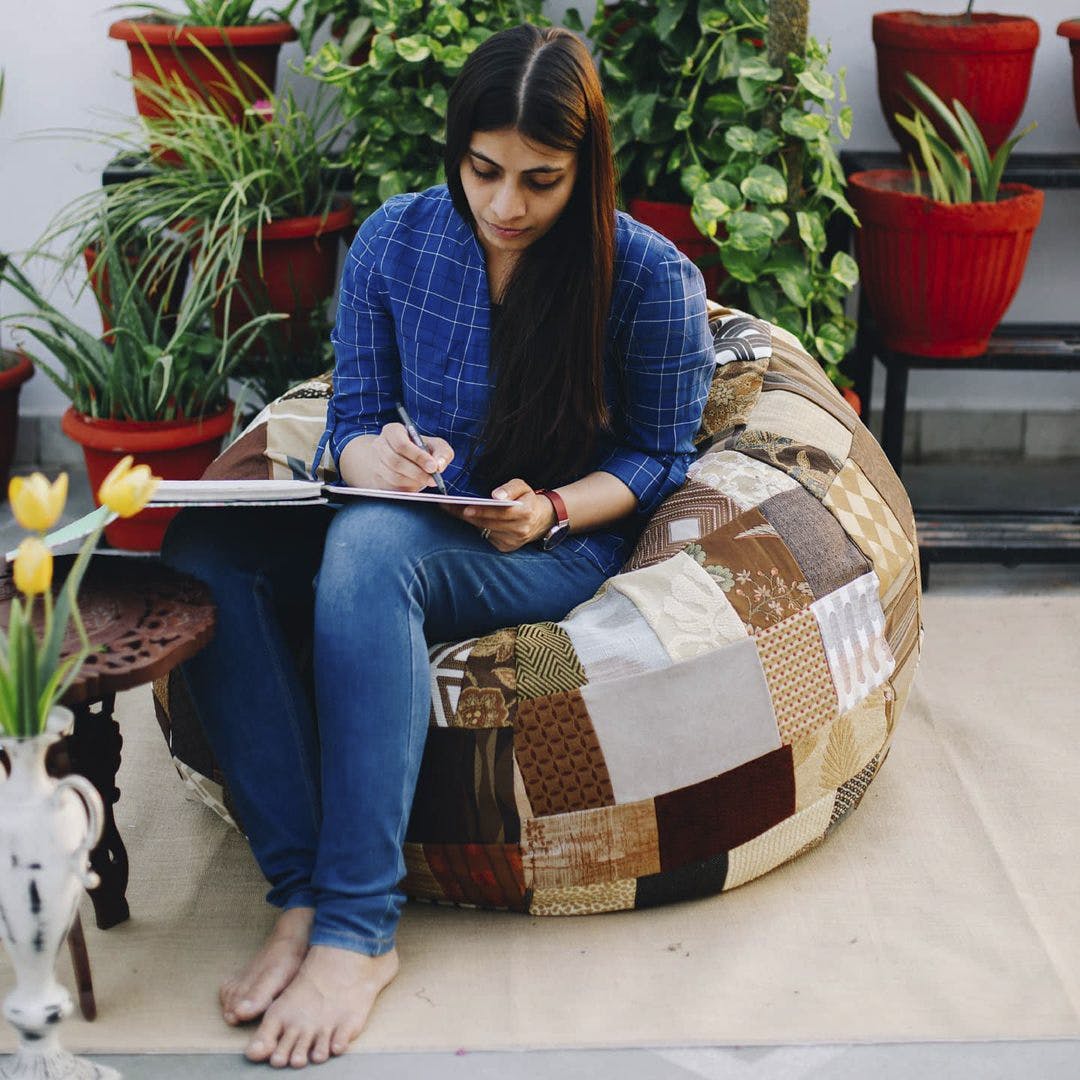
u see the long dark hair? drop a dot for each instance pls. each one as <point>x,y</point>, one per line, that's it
<point>547,347</point>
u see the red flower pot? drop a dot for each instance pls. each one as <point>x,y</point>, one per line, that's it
<point>939,277</point>
<point>1070,29</point>
<point>174,450</point>
<point>984,62</point>
<point>170,47</point>
<point>11,379</point>
<point>673,220</point>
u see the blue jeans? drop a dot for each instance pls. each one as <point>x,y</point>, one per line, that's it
<point>325,796</point>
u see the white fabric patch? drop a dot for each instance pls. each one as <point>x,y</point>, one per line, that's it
<point>684,530</point>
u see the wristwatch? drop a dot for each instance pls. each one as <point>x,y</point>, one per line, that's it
<point>561,529</point>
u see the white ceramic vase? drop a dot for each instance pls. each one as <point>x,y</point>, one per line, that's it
<point>47,829</point>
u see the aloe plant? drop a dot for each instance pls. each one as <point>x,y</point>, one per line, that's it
<point>949,172</point>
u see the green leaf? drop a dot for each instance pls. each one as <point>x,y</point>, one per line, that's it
<point>684,120</point>
<point>752,92</point>
<point>797,285</point>
<point>845,120</point>
<point>811,230</point>
<point>749,231</point>
<point>804,125</point>
<point>393,183</point>
<point>817,83</point>
<point>571,20</point>
<point>765,184</point>
<point>412,49</point>
<point>844,269</point>
<point>741,139</point>
<point>723,106</point>
<point>641,120</point>
<point>758,68</point>
<point>693,176</point>
<point>831,342</point>
<point>668,14</point>
<point>742,265</point>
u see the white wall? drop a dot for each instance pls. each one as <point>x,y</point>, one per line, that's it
<point>62,72</point>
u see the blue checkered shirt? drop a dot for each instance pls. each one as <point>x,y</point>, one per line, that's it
<point>413,324</point>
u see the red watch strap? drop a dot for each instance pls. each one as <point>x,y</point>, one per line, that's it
<point>556,500</point>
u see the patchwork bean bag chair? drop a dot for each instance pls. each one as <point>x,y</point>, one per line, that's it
<point>716,709</point>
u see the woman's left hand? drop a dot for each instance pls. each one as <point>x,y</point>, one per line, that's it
<point>514,526</point>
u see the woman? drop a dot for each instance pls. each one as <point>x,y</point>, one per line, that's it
<point>552,353</point>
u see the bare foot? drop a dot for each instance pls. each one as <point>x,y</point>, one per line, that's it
<point>323,1009</point>
<point>249,994</point>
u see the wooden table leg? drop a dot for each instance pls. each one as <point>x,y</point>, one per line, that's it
<point>80,962</point>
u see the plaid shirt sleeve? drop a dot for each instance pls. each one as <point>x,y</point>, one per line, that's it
<point>367,368</point>
<point>667,367</point>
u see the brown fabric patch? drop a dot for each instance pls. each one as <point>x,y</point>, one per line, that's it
<point>762,580</point>
<point>868,455</point>
<point>694,508</point>
<point>607,844</point>
<point>797,673</point>
<point>829,399</point>
<point>584,899</point>
<point>545,661</point>
<point>733,392</point>
<point>716,815</point>
<point>902,616</point>
<point>485,875</point>
<point>489,687</point>
<point>245,459</point>
<point>419,882</point>
<point>559,755</point>
<point>851,792</point>
<point>826,554</point>
<point>813,467</point>
<point>465,790</point>
<point>796,363</point>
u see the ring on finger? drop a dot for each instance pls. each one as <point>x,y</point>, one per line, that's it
<point>486,534</point>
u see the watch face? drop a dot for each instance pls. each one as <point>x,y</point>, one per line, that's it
<point>555,537</point>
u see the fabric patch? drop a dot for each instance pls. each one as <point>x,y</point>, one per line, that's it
<point>746,481</point>
<point>797,671</point>
<point>738,336</point>
<point>686,608</point>
<point>447,665</point>
<point>852,627</point>
<point>244,458</point>
<point>827,398</point>
<point>828,758</point>
<point>557,750</point>
<point>483,875</point>
<point>692,501</point>
<point>584,899</point>
<point>792,837</point>
<point>756,571</point>
<point>545,661</point>
<point>474,682</point>
<point>851,793</point>
<point>791,359</point>
<point>691,882</point>
<point>612,639</point>
<point>719,814</point>
<point>781,412</point>
<point>419,882</point>
<point>824,552</point>
<point>590,846</point>
<point>703,717</point>
<point>868,455</point>
<point>867,519</point>
<point>811,466</point>
<point>902,615</point>
<point>684,530</point>
<point>733,392</point>
<point>465,790</point>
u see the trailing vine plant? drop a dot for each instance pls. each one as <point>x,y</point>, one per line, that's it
<point>729,105</point>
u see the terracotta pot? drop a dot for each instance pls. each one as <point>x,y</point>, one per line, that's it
<point>11,380</point>
<point>673,220</point>
<point>984,62</point>
<point>170,47</point>
<point>174,450</point>
<point>99,282</point>
<point>1070,29</point>
<point>299,270</point>
<point>939,277</point>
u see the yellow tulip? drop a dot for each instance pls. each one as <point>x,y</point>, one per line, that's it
<point>33,567</point>
<point>35,502</point>
<point>127,490</point>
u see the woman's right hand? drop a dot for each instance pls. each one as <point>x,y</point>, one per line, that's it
<point>389,461</point>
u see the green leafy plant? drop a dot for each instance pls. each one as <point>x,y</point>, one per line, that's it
<point>210,13</point>
<point>396,99</point>
<point>949,172</point>
<point>348,18</point>
<point>150,365</point>
<point>707,110</point>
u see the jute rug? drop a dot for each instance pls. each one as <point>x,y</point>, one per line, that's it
<point>944,908</point>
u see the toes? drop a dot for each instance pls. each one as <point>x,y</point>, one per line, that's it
<point>265,1040</point>
<point>283,1052</point>
<point>299,1056</point>
<point>343,1035</point>
<point>321,1050</point>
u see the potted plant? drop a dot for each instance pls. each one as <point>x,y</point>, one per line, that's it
<point>191,47</point>
<point>981,59</point>
<point>46,835</point>
<point>395,101</point>
<point>1070,29</point>
<point>350,23</point>
<point>941,266</point>
<point>729,113</point>
<point>152,387</point>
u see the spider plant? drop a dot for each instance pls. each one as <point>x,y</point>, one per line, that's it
<point>209,13</point>
<point>949,173</point>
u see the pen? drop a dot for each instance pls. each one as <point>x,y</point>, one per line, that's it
<point>414,435</point>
